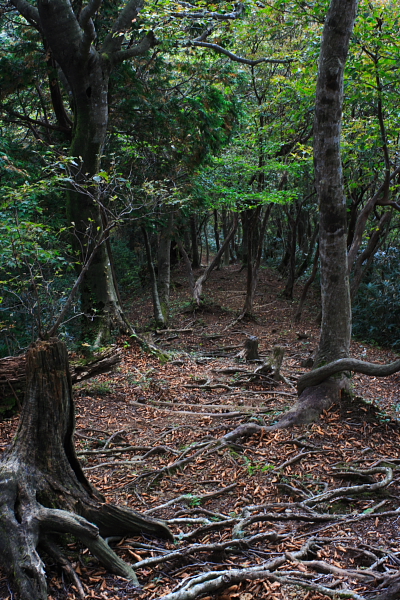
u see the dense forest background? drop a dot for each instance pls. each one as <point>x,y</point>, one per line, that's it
<point>202,137</point>
<point>204,198</point>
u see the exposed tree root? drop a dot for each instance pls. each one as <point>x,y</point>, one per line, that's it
<point>316,376</point>
<point>317,392</point>
<point>312,402</point>
<point>43,491</point>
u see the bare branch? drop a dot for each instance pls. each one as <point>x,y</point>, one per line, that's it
<point>149,41</point>
<point>240,59</point>
<point>346,364</point>
<point>29,12</point>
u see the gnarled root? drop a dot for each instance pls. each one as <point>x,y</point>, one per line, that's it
<point>346,364</point>
<point>43,490</point>
<point>312,402</point>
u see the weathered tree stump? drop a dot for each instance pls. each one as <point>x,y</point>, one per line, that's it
<point>43,490</point>
<point>250,350</point>
<point>272,366</point>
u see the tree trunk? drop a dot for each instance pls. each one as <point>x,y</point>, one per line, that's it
<point>375,240</point>
<point>87,70</point>
<point>254,262</point>
<point>158,313</point>
<point>198,287</point>
<point>43,490</point>
<point>307,286</point>
<point>164,266</point>
<point>216,232</point>
<point>195,245</point>
<point>225,229</point>
<point>335,336</point>
<point>13,376</point>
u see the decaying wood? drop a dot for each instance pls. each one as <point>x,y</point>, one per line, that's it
<point>272,366</point>
<point>35,476</point>
<point>250,350</point>
<point>13,375</point>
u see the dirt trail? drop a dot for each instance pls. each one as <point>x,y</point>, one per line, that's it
<point>153,435</point>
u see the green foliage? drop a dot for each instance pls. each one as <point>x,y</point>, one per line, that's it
<point>376,314</point>
<point>34,270</point>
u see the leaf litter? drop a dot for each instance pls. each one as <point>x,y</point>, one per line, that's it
<point>306,513</point>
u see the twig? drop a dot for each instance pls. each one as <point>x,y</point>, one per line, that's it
<point>187,498</point>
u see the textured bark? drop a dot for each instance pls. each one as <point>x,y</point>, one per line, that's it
<point>13,376</point>
<point>43,490</point>
<point>346,364</point>
<point>272,366</point>
<point>335,295</point>
<point>250,350</point>
<point>311,403</point>
<point>335,336</point>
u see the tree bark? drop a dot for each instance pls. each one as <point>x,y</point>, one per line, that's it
<point>13,376</point>
<point>335,335</point>
<point>376,239</point>
<point>254,262</point>
<point>346,364</point>
<point>164,266</point>
<point>43,490</point>
<point>335,295</point>
<point>158,313</point>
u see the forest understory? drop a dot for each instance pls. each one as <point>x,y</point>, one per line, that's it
<point>309,512</point>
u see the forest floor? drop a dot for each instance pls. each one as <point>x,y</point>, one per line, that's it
<point>322,499</point>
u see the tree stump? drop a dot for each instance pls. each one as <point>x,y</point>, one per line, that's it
<point>43,490</point>
<point>250,350</point>
<point>272,367</point>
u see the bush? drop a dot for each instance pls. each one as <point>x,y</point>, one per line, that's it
<point>376,313</point>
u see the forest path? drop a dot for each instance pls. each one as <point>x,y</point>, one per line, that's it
<point>151,436</point>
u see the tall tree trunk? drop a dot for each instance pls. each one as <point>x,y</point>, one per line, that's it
<point>335,336</point>
<point>158,313</point>
<point>335,295</point>
<point>164,265</point>
<point>43,490</point>
<point>195,245</point>
<point>87,70</point>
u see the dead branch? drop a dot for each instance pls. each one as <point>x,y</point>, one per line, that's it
<point>188,498</point>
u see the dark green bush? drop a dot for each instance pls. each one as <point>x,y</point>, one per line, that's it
<point>376,313</point>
